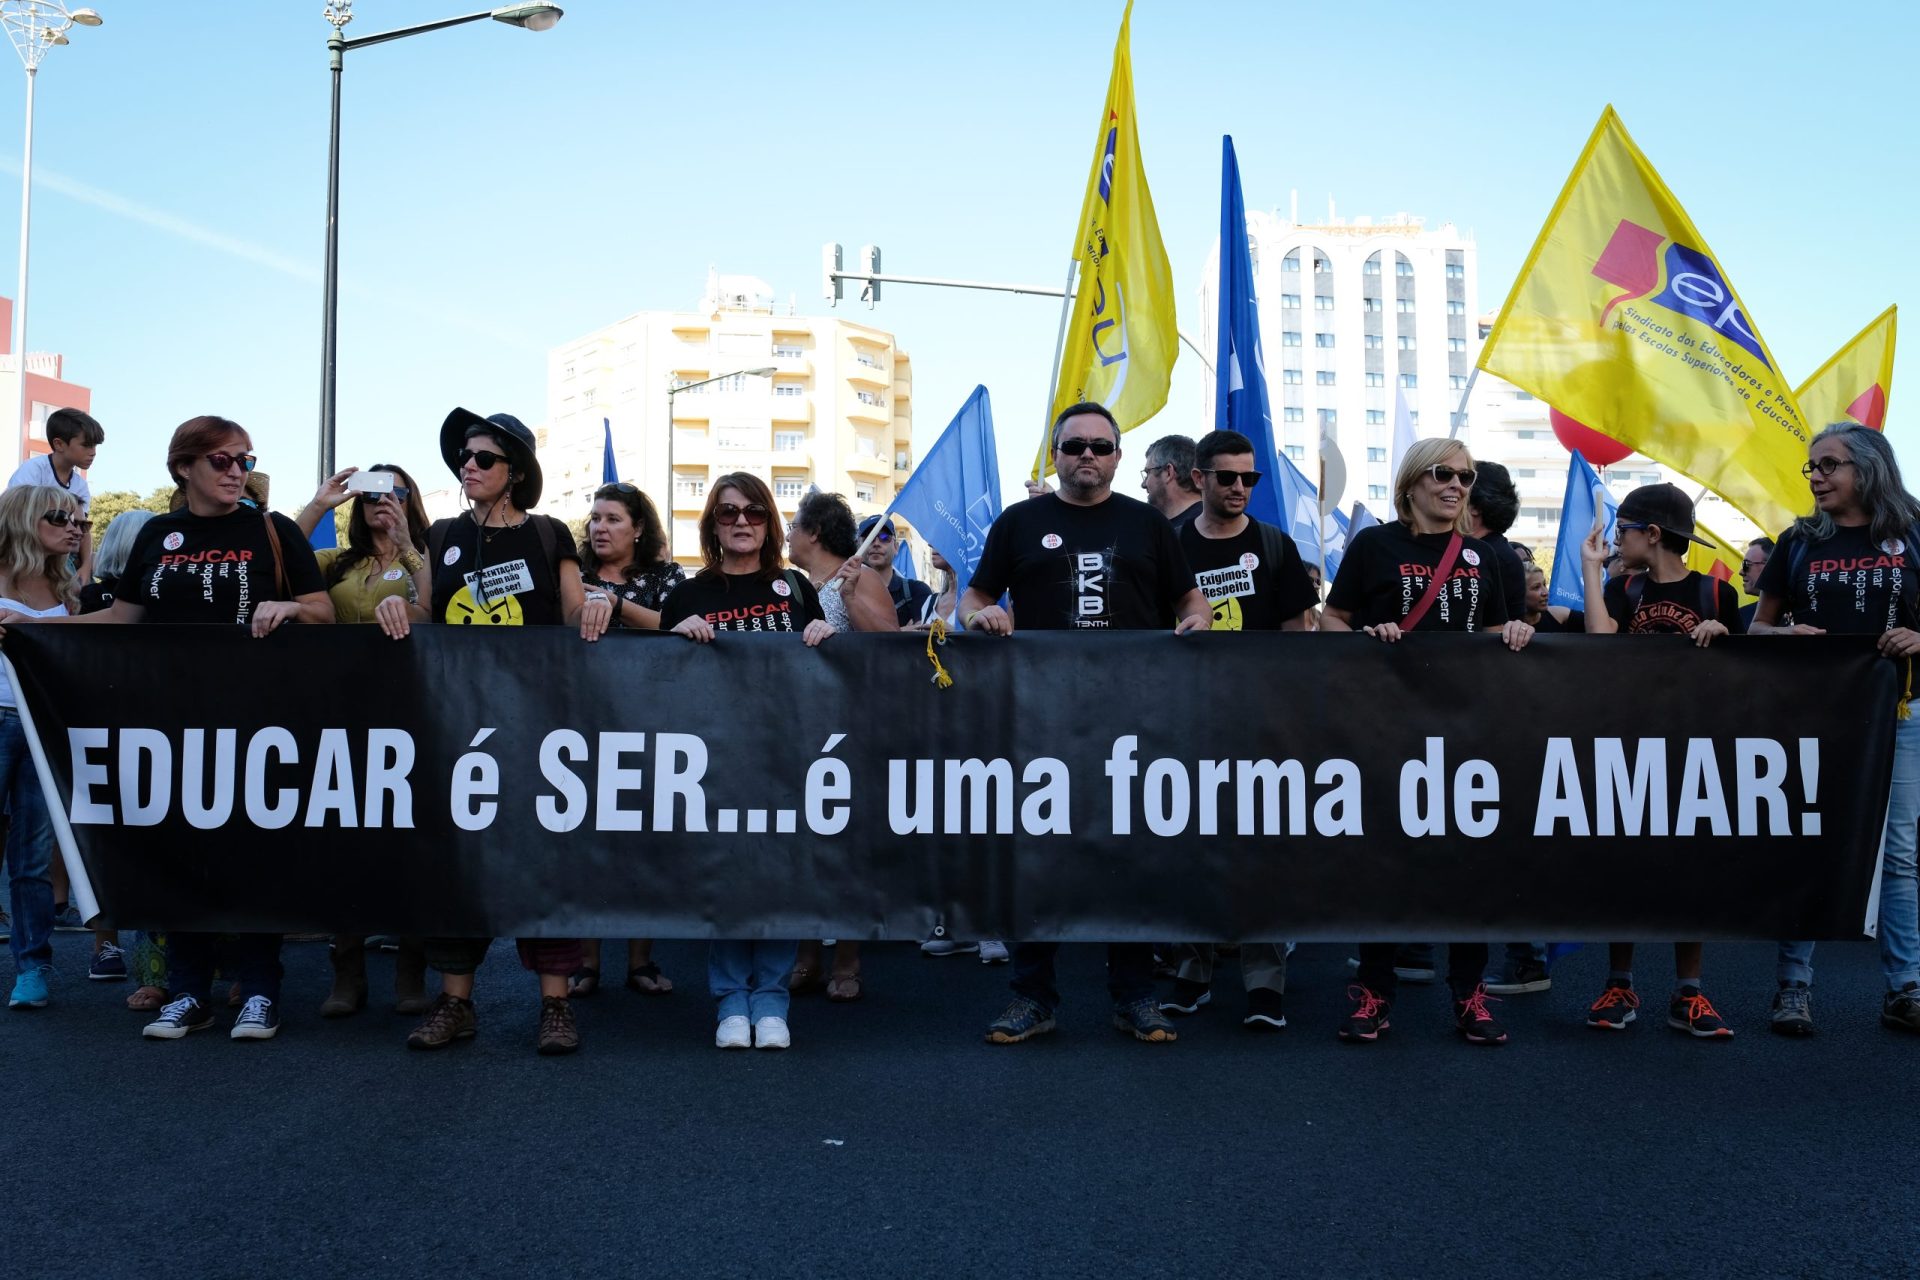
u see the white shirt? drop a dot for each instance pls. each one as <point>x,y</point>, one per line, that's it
<point>39,470</point>
<point>8,603</point>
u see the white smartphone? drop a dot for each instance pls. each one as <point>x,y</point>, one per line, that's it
<point>370,482</point>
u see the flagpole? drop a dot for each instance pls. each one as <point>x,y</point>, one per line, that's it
<point>1460,414</point>
<point>1053,382</point>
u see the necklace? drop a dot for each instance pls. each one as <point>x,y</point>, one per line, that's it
<point>488,532</point>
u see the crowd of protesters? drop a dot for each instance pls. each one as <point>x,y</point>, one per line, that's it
<point>1081,558</point>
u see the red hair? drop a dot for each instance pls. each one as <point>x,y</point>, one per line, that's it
<point>195,438</point>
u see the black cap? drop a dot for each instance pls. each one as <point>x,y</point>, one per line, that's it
<point>1665,505</point>
<point>514,438</point>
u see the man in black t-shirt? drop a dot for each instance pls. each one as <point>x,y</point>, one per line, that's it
<point>1492,506</point>
<point>1168,480</point>
<point>909,595</point>
<point>1085,558</point>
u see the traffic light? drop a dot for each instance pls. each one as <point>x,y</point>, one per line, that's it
<point>870,267</point>
<point>829,270</point>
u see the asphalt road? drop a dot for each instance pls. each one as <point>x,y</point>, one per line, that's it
<point>891,1141</point>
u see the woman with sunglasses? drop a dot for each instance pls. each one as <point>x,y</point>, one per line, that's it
<point>742,586</point>
<point>497,564</point>
<point>1851,568</point>
<point>385,556</point>
<point>625,556</point>
<point>1421,573</point>
<point>217,561</point>
<point>39,531</point>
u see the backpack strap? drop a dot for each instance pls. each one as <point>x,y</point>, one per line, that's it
<point>1434,587</point>
<point>437,542</point>
<point>279,557</point>
<point>1635,587</point>
<point>549,545</point>
<point>1273,548</point>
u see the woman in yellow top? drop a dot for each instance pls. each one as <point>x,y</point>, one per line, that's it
<point>385,556</point>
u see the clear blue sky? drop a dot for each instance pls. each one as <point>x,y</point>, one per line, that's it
<point>505,192</point>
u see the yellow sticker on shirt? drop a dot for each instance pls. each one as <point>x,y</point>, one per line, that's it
<point>504,612</point>
<point>1227,616</point>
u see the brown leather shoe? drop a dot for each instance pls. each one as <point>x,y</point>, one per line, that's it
<point>448,1019</point>
<point>349,994</point>
<point>559,1033</point>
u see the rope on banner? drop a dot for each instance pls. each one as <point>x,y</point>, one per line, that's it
<point>937,634</point>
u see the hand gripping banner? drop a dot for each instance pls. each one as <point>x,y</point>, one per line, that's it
<point>477,783</point>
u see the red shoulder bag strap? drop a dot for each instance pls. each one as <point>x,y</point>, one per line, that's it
<point>1440,572</point>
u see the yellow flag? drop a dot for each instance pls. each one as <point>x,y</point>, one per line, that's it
<point>1622,318</point>
<point>1857,383</point>
<point>1122,340</point>
<point>1722,560</point>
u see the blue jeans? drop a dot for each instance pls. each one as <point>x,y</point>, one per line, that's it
<point>29,854</point>
<point>1129,972</point>
<point>1899,889</point>
<point>251,959</point>
<point>748,977</point>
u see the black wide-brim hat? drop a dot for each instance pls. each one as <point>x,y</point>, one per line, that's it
<point>514,438</point>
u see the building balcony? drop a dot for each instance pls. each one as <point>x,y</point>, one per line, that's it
<point>878,414</point>
<point>867,375</point>
<point>793,366</point>
<point>866,465</point>
<point>792,409</point>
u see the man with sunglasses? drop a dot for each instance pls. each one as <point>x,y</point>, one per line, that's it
<point>1752,565</point>
<point>908,594</point>
<point>1083,559</point>
<point>1253,577</point>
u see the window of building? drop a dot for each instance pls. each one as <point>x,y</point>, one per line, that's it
<point>1456,271</point>
<point>1375,342</point>
<point>1291,262</point>
<point>1406,342</point>
<point>868,359</point>
<point>1289,337</point>
<point>1373,304</point>
<point>1523,395</point>
<point>789,441</point>
<point>863,493</point>
<point>1403,269</point>
<point>873,398</point>
<point>1525,473</point>
<point>1376,493</point>
<point>1295,413</point>
<point>789,490</point>
<point>1289,302</point>
<point>787,351</point>
<point>788,389</point>
<point>1403,305</point>
<point>864,447</point>
<point>1456,308</point>
<point>739,438</point>
<point>1321,302</point>
<point>1373,266</point>
<point>1376,454</point>
<point>1323,377</point>
<point>902,460</point>
<point>1413,417</point>
<point>1458,381</point>
<point>1322,339</point>
<point>1409,380</point>
<point>1376,379</point>
<point>1329,418</point>
<point>1291,377</point>
<point>1456,344</point>
<point>1376,417</point>
<point>1525,435</point>
<point>1321,265</point>
<point>690,486</point>
<point>1297,452</point>
<point>587,396</point>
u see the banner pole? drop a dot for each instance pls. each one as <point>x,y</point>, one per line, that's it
<point>79,887</point>
<point>1460,413</point>
<point>1053,382</point>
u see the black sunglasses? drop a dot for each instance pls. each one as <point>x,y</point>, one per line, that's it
<point>481,458</point>
<point>399,493</point>
<point>1825,466</point>
<point>61,519</point>
<point>1099,448</point>
<point>223,462</point>
<point>730,513</point>
<point>1228,479</point>
<point>1444,475</point>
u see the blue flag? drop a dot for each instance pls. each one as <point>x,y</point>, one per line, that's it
<point>1584,494</point>
<point>609,469</point>
<point>953,496</point>
<point>325,536</point>
<point>903,560</point>
<point>1299,514</point>
<point>1333,535</point>
<point>1240,373</point>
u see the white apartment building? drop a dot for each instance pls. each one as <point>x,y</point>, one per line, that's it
<point>1351,312</point>
<point>800,401</point>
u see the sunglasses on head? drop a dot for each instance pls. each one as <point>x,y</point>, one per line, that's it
<point>485,459</point>
<point>620,486</point>
<point>732,513</point>
<point>1446,475</point>
<point>1825,466</point>
<point>62,519</point>
<point>1098,447</point>
<point>1228,479</point>
<point>223,462</point>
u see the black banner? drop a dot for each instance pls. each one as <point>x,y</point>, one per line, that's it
<point>1118,786</point>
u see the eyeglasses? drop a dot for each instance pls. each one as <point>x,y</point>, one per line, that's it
<point>399,493</point>
<point>1637,526</point>
<point>1229,479</point>
<point>730,513</point>
<point>1152,467</point>
<point>1752,566</point>
<point>62,519</point>
<point>1099,448</point>
<point>620,486</point>
<point>1825,466</point>
<point>1446,475</point>
<point>223,462</point>
<point>485,459</point>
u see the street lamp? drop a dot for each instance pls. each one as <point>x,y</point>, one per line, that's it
<point>34,26</point>
<point>532,17</point>
<point>674,389</point>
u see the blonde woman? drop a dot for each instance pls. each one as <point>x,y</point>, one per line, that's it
<point>1422,573</point>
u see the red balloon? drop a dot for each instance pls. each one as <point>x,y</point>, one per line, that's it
<point>1598,450</point>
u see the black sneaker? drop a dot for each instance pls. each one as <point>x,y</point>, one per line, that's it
<point>259,1020</point>
<point>1792,1013</point>
<point>1522,977</point>
<point>1023,1019</point>
<point>1263,1011</point>
<point>1690,1011</point>
<point>1615,1008</point>
<point>1901,1009</point>
<point>1143,1021</point>
<point>1369,1016</point>
<point>1187,997</point>
<point>179,1018</point>
<point>1472,1019</point>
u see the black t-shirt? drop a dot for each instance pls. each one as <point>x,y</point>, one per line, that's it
<point>1576,622</point>
<point>1116,565</point>
<point>1386,570</point>
<point>1672,607</point>
<point>744,602</point>
<point>909,597</point>
<point>1248,593</point>
<point>650,590</point>
<point>1848,584</point>
<point>215,569</point>
<point>500,576</point>
<point>1513,574</point>
<point>96,597</point>
<point>1186,516</point>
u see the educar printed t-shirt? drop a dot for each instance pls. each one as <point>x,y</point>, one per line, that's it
<point>1849,584</point>
<point>1388,567</point>
<point>1246,591</point>
<point>1117,565</point>
<point>500,576</point>
<point>1673,607</point>
<point>186,568</point>
<point>744,602</point>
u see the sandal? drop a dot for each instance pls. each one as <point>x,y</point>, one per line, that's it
<point>648,980</point>
<point>584,982</point>
<point>147,999</point>
<point>843,987</point>
<point>805,977</point>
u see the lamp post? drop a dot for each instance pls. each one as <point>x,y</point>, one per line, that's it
<point>34,26</point>
<point>674,389</point>
<point>532,17</point>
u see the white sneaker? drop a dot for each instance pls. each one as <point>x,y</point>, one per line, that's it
<point>994,953</point>
<point>771,1033</point>
<point>733,1033</point>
